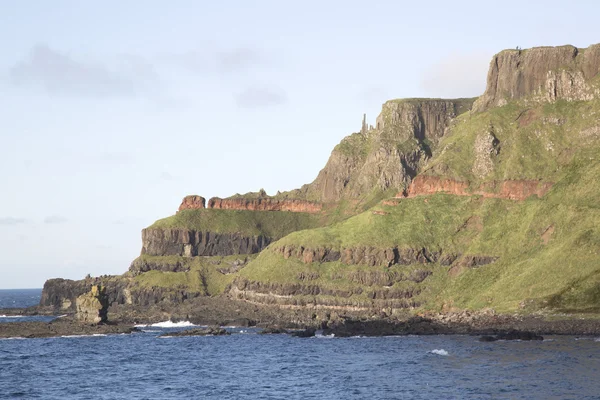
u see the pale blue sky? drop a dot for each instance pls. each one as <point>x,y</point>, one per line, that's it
<point>111,112</point>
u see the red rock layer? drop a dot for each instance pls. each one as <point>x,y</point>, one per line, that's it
<point>192,202</point>
<point>265,204</point>
<point>510,189</point>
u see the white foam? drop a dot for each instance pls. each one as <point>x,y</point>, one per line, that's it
<point>321,336</point>
<point>439,352</point>
<point>13,316</point>
<point>597,340</point>
<point>171,324</point>
<point>13,338</point>
<point>82,336</point>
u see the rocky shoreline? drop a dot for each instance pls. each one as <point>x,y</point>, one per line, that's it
<point>215,312</point>
<point>65,326</point>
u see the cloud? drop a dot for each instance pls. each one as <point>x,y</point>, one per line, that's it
<point>12,221</point>
<point>55,219</point>
<point>60,74</point>
<point>238,59</point>
<point>457,75</point>
<point>258,97</point>
<point>217,61</point>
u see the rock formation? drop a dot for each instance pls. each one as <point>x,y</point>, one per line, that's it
<point>550,72</point>
<point>510,189</point>
<point>389,156</point>
<point>193,202</point>
<point>92,307</point>
<point>264,204</point>
<point>191,243</point>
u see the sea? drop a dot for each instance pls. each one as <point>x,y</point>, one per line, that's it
<point>247,365</point>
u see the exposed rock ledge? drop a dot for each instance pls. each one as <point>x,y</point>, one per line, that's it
<point>190,243</point>
<point>551,73</point>
<point>373,256</point>
<point>194,202</point>
<point>509,189</point>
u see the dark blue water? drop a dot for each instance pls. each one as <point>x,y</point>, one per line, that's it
<point>246,365</point>
<point>19,298</point>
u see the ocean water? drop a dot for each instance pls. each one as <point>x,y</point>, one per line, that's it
<point>246,365</point>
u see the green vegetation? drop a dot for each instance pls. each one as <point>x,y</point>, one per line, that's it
<point>208,275</point>
<point>273,224</point>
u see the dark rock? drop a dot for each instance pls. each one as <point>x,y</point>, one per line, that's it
<point>518,335</point>
<point>210,331</point>
<point>273,331</point>
<point>488,339</point>
<point>309,332</point>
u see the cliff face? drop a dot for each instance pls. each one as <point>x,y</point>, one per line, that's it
<point>193,202</point>
<point>388,156</point>
<point>265,204</point>
<point>190,243</point>
<point>550,72</point>
<point>509,189</point>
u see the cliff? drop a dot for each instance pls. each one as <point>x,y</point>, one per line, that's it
<point>551,73</point>
<point>265,204</point>
<point>387,156</point>
<point>436,207</point>
<point>190,243</point>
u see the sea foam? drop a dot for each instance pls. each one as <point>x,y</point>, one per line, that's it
<point>168,324</point>
<point>439,352</point>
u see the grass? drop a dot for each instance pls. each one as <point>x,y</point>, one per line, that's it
<point>273,224</point>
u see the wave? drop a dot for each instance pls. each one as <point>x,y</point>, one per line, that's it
<point>13,316</point>
<point>439,352</point>
<point>167,324</point>
<point>13,338</point>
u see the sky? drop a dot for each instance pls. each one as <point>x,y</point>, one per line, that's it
<point>111,112</point>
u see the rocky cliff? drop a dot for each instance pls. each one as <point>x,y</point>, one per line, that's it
<point>190,243</point>
<point>509,189</point>
<point>434,208</point>
<point>265,204</point>
<point>389,155</point>
<point>549,73</point>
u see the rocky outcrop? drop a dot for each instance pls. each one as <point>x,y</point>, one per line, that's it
<point>210,331</point>
<point>192,202</point>
<point>388,156</point>
<point>92,307</point>
<point>510,189</point>
<point>190,243</point>
<point>61,294</point>
<point>264,204</point>
<point>373,256</point>
<point>548,73</point>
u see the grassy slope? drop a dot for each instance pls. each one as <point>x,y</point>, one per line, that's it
<point>564,273</point>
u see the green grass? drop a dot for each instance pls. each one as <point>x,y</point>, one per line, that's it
<point>273,224</point>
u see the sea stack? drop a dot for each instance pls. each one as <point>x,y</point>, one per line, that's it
<point>92,307</point>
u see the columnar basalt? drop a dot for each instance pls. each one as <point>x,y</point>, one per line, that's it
<point>548,73</point>
<point>191,243</point>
